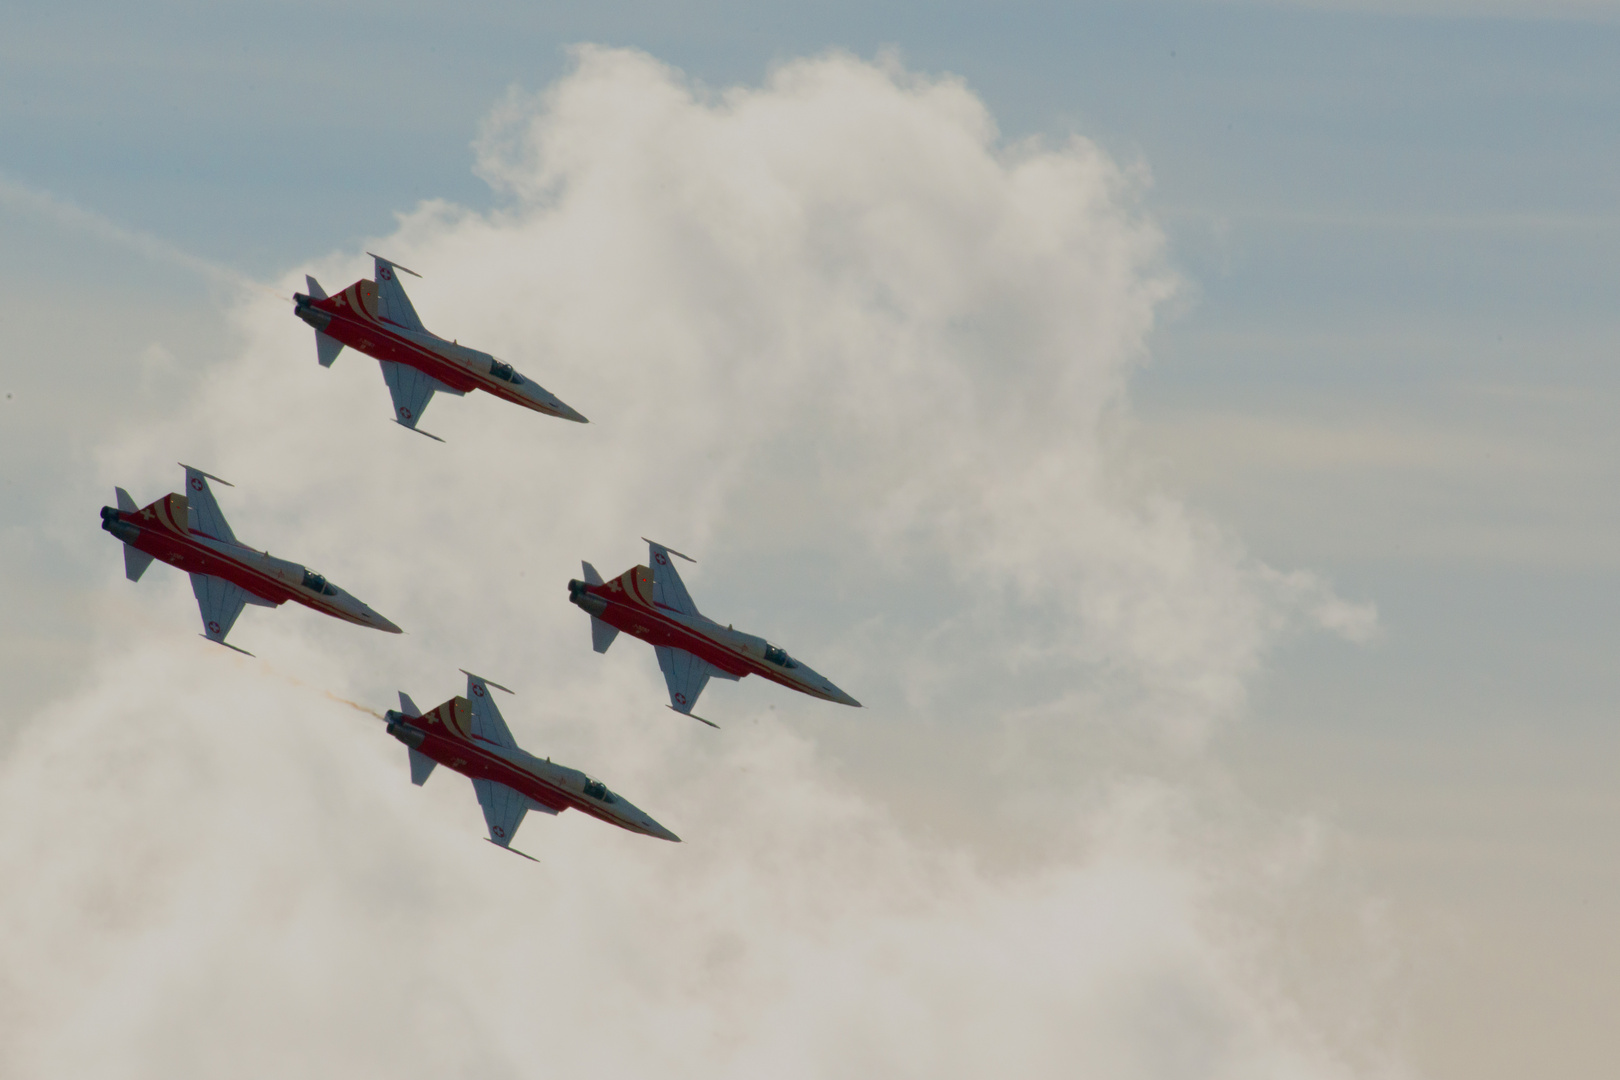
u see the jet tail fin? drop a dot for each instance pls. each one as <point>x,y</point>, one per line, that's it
<point>407,706</point>
<point>125,503</point>
<point>602,634</point>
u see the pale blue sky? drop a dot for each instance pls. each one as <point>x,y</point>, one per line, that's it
<point>1394,362</point>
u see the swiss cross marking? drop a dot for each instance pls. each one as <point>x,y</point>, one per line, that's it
<point>478,691</point>
<point>498,831</point>
<point>680,699</point>
<point>386,274</point>
<point>213,627</point>
<point>404,412</point>
<point>196,483</point>
<point>660,559</point>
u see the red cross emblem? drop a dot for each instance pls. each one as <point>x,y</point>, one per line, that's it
<point>213,627</point>
<point>478,691</point>
<point>660,559</point>
<point>498,831</point>
<point>386,274</point>
<point>680,699</point>
<point>196,483</point>
<point>404,412</point>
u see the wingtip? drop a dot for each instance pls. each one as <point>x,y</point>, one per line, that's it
<point>694,716</point>
<point>417,430</point>
<point>227,644</point>
<point>210,475</point>
<point>513,850</point>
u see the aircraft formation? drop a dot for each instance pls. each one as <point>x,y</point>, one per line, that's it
<point>466,734</point>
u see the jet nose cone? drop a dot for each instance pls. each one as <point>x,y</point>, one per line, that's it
<point>570,414</point>
<point>835,694</point>
<point>372,619</point>
<point>652,828</point>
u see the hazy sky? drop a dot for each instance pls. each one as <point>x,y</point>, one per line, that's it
<point>1187,427</point>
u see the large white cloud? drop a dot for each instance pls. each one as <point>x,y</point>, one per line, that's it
<point>869,365</point>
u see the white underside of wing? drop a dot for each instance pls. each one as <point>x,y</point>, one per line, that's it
<point>503,809</point>
<point>411,390</point>
<point>686,676</point>
<point>220,603</point>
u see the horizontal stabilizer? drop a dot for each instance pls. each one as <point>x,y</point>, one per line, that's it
<point>135,562</point>
<point>315,290</point>
<point>602,634</point>
<point>421,767</point>
<point>125,503</point>
<point>591,576</point>
<point>326,348</point>
<point>407,706</point>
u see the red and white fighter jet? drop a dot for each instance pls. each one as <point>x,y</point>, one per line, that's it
<point>467,734</point>
<point>653,605</point>
<point>377,318</point>
<point>188,531</point>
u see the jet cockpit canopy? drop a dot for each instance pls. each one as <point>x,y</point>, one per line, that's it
<point>778,656</point>
<point>315,583</point>
<point>598,791</point>
<point>502,370</point>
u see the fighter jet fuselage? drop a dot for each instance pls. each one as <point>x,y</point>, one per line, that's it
<point>627,604</point>
<point>161,531</point>
<point>448,736</point>
<point>356,317</point>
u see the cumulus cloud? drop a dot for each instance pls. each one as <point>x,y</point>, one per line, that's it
<point>869,364</point>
